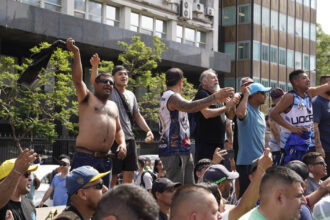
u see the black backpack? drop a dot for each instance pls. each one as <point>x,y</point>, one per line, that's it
<point>154,177</point>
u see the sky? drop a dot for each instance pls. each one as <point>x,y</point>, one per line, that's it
<point>322,15</point>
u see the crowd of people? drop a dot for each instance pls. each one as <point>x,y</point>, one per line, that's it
<point>244,165</point>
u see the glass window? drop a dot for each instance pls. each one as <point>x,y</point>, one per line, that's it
<point>306,30</point>
<point>31,2</point>
<point>134,22</point>
<point>147,24</point>
<point>256,50</point>
<point>179,34</point>
<point>95,11</point>
<point>298,27</point>
<point>111,15</point>
<point>274,19</point>
<point>283,22</point>
<point>265,52</point>
<point>299,1</point>
<point>298,60</point>
<point>313,32</point>
<point>244,14</point>
<point>290,58</point>
<point>306,62</point>
<point>273,84</point>
<point>306,3</point>
<point>243,50</point>
<point>54,5</point>
<point>160,29</point>
<point>230,49</point>
<point>257,14</point>
<point>313,4</point>
<point>313,63</point>
<point>228,16</point>
<point>282,58</point>
<point>273,54</point>
<point>264,82</point>
<point>282,86</point>
<point>265,16</point>
<point>201,39</point>
<point>189,36</point>
<point>290,25</point>
<point>79,8</point>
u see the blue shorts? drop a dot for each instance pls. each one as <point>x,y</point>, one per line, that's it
<point>100,164</point>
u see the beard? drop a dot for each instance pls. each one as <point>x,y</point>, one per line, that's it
<point>214,87</point>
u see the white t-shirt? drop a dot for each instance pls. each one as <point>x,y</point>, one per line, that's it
<point>147,178</point>
<point>225,215</point>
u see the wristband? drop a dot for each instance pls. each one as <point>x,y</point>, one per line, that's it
<point>16,171</point>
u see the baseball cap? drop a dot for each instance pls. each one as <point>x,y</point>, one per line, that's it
<point>245,80</point>
<point>276,93</point>
<point>321,210</point>
<point>118,68</point>
<point>80,176</point>
<point>162,184</point>
<point>218,173</point>
<point>257,87</point>
<point>8,165</point>
<point>66,160</point>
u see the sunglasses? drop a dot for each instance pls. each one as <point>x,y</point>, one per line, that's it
<point>319,163</point>
<point>105,81</point>
<point>96,186</point>
<point>27,174</point>
<point>262,93</point>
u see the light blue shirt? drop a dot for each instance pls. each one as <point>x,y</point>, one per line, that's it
<point>60,190</point>
<point>251,136</point>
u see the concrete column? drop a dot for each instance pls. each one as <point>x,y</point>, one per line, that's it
<point>215,27</point>
<point>68,7</point>
<point>125,18</point>
<point>171,30</point>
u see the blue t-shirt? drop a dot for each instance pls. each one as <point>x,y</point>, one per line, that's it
<point>60,190</point>
<point>251,136</point>
<point>321,111</point>
<point>305,213</point>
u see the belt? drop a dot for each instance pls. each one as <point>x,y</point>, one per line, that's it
<point>94,153</point>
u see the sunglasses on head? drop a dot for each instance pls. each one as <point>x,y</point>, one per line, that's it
<point>96,186</point>
<point>27,174</point>
<point>105,81</point>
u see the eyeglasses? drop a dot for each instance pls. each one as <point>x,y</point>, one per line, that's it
<point>220,180</point>
<point>319,163</point>
<point>105,81</point>
<point>96,186</point>
<point>27,174</point>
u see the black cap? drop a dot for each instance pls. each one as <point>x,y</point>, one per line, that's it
<point>162,184</point>
<point>118,68</point>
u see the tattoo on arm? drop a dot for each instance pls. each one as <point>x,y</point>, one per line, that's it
<point>181,104</point>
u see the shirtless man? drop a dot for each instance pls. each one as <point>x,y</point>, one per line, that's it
<point>99,123</point>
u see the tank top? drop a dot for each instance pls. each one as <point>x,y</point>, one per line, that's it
<point>173,129</point>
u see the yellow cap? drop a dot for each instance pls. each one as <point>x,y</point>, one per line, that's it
<point>8,165</point>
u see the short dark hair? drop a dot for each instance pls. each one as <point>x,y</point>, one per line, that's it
<point>141,161</point>
<point>118,68</point>
<point>278,175</point>
<point>173,76</point>
<point>127,201</point>
<point>294,75</point>
<point>310,157</point>
<point>213,188</point>
<point>323,78</point>
<point>98,77</point>
<point>157,161</point>
<point>299,167</point>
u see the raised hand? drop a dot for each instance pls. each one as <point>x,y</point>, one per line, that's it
<point>70,45</point>
<point>25,159</point>
<point>223,94</point>
<point>95,60</point>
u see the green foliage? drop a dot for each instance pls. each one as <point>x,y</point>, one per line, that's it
<point>141,62</point>
<point>322,53</point>
<point>33,110</point>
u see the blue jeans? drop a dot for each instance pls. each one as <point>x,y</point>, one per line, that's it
<point>100,164</point>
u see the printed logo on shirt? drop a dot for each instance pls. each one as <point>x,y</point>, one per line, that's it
<point>9,215</point>
<point>300,106</point>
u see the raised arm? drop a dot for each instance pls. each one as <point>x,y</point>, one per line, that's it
<point>77,72</point>
<point>94,61</point>
<point>241,109</point>
<point>177,102</point>
<point>314,91</point>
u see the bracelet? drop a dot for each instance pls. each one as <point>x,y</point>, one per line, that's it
<point>16,171</point>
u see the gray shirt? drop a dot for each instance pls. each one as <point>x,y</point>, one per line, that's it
<point>312,185</point>
<point>123,117</point>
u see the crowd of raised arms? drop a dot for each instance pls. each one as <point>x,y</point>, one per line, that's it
<point>219,156</point>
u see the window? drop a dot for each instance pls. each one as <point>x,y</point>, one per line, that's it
<point>257,14</point>
<point>283,22</point>
<point>306,3</point>
<point>190,36</point>
<point>265,17</point>
<point>179,34</point>
<point>228,16</point>
<point>201,39</point>
<point>290,25</point>
<point>297,60</point>
<point>256,50</point>
<point>148,25</point>
<point>298,28</point>
<point>273,54</point>
<point>264,82</point>
<point>243,50</point>
<point>274,20</point>
<point>290,58</point>
<point>265,52</point>
<point>230,49</point>
<point>299,1</point>
<point>312,63</point>
<point>313,32</point>
<point>112,15</point>
<point>160,29</point>
<point>32,2</point>
<point>306,30</point>
<point>273,84</point>
<point>306,62</point>
<point>313,4</point>
<point>282,58</point>
<point>282,86</point>
<point>95,11</point>
<point>54,5</point>
<point>244,14</point>
<point>134,22</point>
<point>79,8</point>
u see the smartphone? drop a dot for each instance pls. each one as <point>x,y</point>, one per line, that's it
<point>230,154</point>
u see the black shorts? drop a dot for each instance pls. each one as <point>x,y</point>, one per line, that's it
<point>130,161</point>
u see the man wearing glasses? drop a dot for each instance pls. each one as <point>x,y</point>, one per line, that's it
<point>99,123</point>
<point>58,185</point>
<point>18,206</point>
<point>85,189</point>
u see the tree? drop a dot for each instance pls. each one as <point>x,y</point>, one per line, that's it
<point>322,53</point>
<point>32,110</point>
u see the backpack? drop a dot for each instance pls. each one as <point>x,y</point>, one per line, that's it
<point>154,177</point>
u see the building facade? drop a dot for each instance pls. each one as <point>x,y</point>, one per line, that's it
<point>268,39</point>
